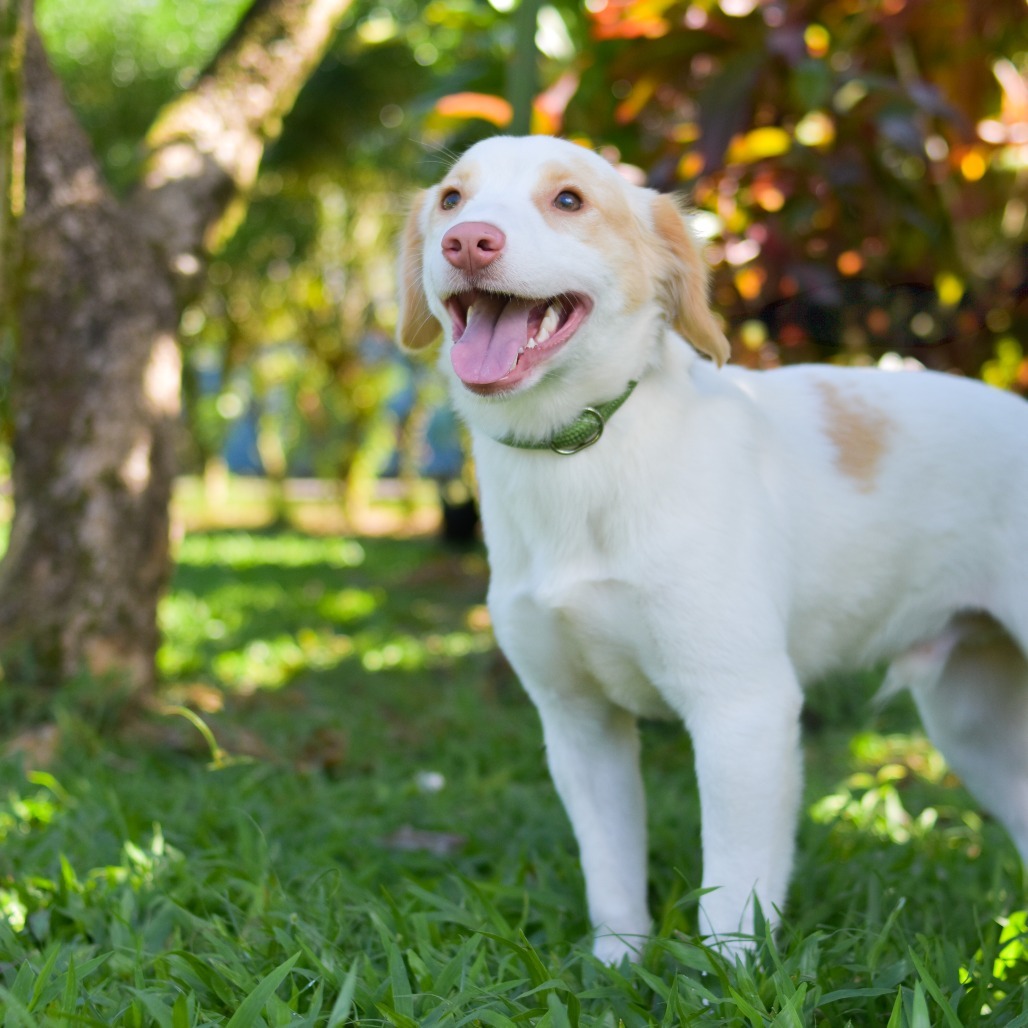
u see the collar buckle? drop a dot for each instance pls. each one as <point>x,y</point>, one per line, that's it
<point>594,437</point>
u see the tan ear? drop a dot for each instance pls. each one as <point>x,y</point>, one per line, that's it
<point>416,326</point>
<point>686,277</point>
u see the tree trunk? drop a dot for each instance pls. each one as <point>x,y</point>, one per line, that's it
<point>96,378</point>
<point>13,20</point>
<point>97,372</point>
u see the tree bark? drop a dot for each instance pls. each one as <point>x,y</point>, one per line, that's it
<point>13,20</point>
<point>97,371</point>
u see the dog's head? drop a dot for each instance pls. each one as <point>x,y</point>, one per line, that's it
<point>534,254</point>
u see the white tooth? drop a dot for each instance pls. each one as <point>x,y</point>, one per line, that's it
<point>532,343</point>
<point>551,319</point>
<point>467,313</point>
<point>548,324</point>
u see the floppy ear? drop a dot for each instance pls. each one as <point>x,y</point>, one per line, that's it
<point>416,326</point>
<point>685,275</point>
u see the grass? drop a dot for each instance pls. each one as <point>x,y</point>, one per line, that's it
<point>341,815</point>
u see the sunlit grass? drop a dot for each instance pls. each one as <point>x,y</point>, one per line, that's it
<point>354,825</point>
<point>235,550</point>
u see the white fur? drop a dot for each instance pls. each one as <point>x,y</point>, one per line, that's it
<point>723,544</point>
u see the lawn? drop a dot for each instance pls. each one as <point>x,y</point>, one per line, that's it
<point>340,814</point>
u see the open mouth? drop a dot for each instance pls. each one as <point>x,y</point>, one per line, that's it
<point>498,339</point>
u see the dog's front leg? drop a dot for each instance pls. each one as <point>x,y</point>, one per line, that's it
<point>593,751</point>
<point>746,737</point>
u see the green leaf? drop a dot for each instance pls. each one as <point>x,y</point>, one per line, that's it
<point>525,953</point>
<point>919,1016</point>
<point>251,1007</point>
<point>557,1011</point>
<point>757,1017</point>
<point>403,1000</point>
<point>495,1019</point>
<point>341,1008</point>
<point>71,987</point>
<point>935,992</point>
<point>22,988</point>
<point>157,1009</point>
<point>791,1014</point>
<point>16,1014</point>
<point>394,1017</point>
<point>812,84</point>
<point>897,1020</point>
<point>44,977</point>
<point>180,1012</point>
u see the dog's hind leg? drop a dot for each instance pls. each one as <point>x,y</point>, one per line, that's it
<point>975,708</point>
<point>592,748</point>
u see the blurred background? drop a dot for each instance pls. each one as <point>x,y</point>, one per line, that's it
<point>858,169</point>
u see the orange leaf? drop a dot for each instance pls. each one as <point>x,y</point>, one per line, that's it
<point>493,109</point>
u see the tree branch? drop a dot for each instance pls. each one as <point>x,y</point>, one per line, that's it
<point>13,20</point>
<point>206,146</point>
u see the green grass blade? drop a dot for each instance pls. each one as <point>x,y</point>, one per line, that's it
<point>403,999</point>
<point>919,1015</point>
<point>43,978</point>
<point>71,987</point>
<point>341,1008</point>
<point>757,1017</point>
<point>16,1014</point>
<point>557,1011</point>
<point>180,1012</point>
<point>21,990</point>
<point>935,991</point>
<point>791,1014</point>
<point>495,1019</point>
<point>896,1019</point>
<point>155,1008</point>
<point>254,1003</point>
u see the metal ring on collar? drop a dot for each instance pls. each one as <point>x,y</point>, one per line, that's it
<point>568,450</point>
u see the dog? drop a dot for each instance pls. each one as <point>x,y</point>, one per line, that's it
<point>669,537</point>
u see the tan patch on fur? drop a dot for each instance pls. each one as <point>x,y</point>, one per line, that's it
<point>464,178</point>
<point>606,221</point>
<point>597,195</point>
<point>685,276</point>
<point>416,327</point>
<point>860,433</point>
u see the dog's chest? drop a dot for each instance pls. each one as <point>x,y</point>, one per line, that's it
<point>589,631</point>
<point>570,592</point>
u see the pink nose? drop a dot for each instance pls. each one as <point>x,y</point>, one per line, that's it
<point>472,245</point>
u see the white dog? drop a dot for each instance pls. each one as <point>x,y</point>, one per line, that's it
<point>671,538</point>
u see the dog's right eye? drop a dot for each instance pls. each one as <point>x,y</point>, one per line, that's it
<point>450,200</point>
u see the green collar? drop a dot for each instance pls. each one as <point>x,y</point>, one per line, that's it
<point>585,430</point>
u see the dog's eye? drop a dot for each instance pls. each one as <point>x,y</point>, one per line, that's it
<point>450,200</point>
<point>567,200</point>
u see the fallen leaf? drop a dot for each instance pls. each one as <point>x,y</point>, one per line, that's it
<point>408,839</point>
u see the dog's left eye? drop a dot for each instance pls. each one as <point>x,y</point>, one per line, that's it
<point>567,200</point>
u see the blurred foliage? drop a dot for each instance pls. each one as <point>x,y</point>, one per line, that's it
<point>859,170</point>
<point>861,167</point>
<point>121,61</point>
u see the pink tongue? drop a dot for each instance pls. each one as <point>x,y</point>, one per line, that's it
<point>496,331</point>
